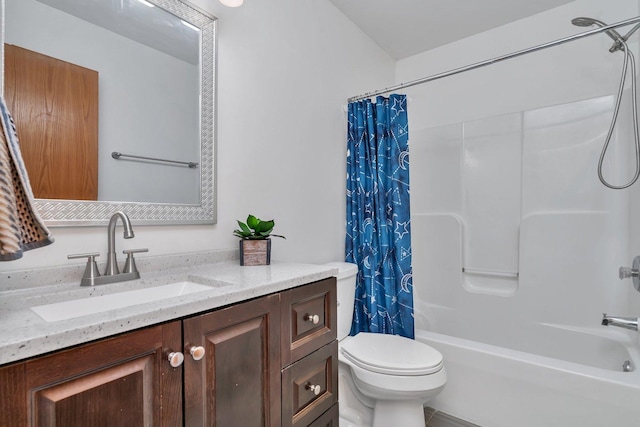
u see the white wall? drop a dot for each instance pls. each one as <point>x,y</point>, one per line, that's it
<point>566,234</point>
<point>147,101</point>
<point>577,70</point>
<point>285,70</point>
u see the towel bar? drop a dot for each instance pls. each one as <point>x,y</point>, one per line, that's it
<point>116,155</point>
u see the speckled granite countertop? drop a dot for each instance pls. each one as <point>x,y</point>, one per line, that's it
<point>24,334</point>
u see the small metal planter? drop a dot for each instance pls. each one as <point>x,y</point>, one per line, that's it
<point>255,252</point>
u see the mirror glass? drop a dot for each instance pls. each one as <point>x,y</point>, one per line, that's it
<point>113,101</point>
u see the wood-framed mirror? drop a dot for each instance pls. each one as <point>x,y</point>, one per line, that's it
<point>152,101</point>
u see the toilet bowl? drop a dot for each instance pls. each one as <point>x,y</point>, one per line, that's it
<point>384,380</point>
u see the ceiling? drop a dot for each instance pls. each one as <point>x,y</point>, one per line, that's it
<point>406,27</point>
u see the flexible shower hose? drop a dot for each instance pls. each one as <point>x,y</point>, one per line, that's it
<point>628,58</point>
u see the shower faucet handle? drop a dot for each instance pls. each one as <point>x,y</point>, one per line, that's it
<point>626,272</point>
<point>632,272</point>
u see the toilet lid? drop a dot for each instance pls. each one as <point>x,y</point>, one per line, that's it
<point>392,354</point>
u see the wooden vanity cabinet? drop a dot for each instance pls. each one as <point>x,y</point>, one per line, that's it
<point>267,362</point>
<point>119,381</point>
<point>263,361</point>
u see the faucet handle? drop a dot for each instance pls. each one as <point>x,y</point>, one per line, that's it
<point>91,270</point>
<point>130,263</point>
<point>626,272</point>
<point>90,255</point>
<point>633,273</point>
<point>135,251</point>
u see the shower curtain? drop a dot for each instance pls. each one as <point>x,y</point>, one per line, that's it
<point>378,236</point>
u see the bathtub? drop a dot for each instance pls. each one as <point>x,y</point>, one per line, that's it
<point>559,376</point>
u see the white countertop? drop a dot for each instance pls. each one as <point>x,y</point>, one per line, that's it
<point>24,334</point>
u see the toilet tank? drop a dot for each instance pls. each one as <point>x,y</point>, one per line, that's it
<point>346,291</point>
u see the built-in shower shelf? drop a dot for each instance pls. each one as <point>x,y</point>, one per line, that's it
<point>508,274</point>
<point>490,282</point>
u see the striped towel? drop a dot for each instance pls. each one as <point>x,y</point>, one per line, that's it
<point>21,228</point>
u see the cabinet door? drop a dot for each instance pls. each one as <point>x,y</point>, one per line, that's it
<point>237,383</point>
<point>120,381</point>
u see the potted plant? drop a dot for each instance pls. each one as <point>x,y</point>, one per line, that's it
<point>255,241</point>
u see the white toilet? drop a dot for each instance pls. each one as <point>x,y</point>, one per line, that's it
<point>383,380</point>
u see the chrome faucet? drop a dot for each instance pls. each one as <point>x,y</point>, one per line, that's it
<point>112,262</point>
<point>621,322</point>
<point>112,273</point>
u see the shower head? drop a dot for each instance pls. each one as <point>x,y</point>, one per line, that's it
<point>583,21</point>
<point>586,22</point>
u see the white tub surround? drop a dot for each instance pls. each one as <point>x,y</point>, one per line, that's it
<point>499,387</point>
<point>24,334</point>
<point>514,275</point>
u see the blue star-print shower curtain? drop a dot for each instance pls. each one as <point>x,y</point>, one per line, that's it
<point>378,218</point>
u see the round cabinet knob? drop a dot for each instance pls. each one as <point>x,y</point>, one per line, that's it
<point>313,318</point>
<point>197,352</point>
<point>314,388</point>
<point>176,358</point>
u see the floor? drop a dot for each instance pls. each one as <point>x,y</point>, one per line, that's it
<point>436,418</point>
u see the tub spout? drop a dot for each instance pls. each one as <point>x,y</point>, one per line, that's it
<point>621,322</point>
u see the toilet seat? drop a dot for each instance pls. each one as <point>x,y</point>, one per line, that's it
<point>391,355</point>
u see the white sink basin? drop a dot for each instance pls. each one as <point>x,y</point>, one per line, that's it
<point>82,307</point>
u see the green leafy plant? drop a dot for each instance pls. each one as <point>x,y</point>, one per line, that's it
<point>255,229</point>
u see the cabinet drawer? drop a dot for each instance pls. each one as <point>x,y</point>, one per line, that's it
<point>300,403</point>
<point>308,319</point>
<point>331,418</point>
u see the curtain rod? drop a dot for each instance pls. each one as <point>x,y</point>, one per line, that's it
<point>495,60</point>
